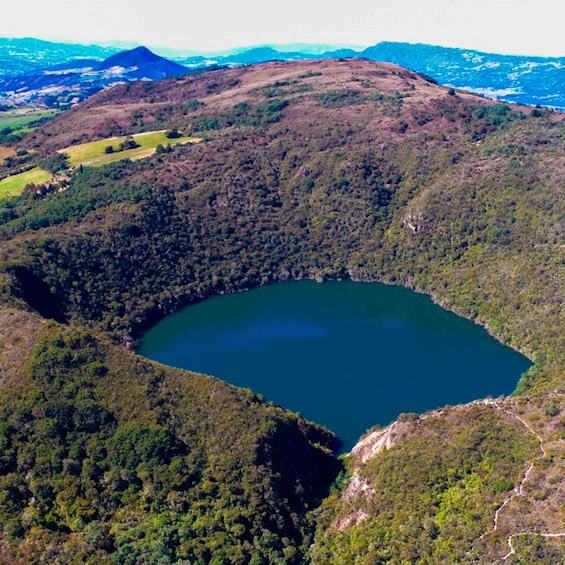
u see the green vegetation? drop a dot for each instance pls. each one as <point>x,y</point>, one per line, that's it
<point>55,163</point>
<point>107,457</point>
<point>17,119</point>
<point>90,190</point>
<point>93,154</point>
<point>341,98</point>
<point>14,123</point>
<point>96,153</point>
<point>427,506</point>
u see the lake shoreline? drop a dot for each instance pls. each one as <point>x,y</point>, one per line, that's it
<point>282,324</point>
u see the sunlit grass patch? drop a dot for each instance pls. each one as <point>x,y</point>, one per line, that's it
<point>95,153</point>
<point>18,119</point>
<point>13,185</point>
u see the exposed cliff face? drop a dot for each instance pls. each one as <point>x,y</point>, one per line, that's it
<point>314,169</point>
<point>434,479</point>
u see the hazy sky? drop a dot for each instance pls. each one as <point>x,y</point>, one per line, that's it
<point>531,27</point>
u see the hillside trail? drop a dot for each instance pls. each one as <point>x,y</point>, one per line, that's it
<point>519,489</point>
<point>384,439</point>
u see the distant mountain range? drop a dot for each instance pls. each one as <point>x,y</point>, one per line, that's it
<point>512,78</point>
<point>23,56</point>
<point>74,80</point>
<point>34,71</point>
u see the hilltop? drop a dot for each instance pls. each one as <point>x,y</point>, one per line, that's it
<point>512,78</point>
<point>141,64</point>
<point>310,169</point>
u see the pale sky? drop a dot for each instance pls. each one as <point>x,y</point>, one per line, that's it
<point>528,27</point>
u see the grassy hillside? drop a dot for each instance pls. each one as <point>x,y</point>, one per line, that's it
<point>17,120</point>
<point>96,153</point>
<point>312,169</point>
<point>14,184</point>
<point>92,154</point>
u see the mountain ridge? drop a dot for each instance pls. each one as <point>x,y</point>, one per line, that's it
<point>24,55</point>
<point>514,78</point>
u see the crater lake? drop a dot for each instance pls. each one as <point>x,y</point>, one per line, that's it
<point>346,355</point>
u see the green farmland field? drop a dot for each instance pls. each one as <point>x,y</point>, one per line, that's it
<point>94,153</point>
<point>16,183</point>
<point>18,120</point>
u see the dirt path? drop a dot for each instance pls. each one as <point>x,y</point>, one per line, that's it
<point>518,490</point>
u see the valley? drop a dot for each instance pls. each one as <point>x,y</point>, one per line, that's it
<point>323,170</point>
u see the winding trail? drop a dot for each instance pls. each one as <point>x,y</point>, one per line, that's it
<point>382,439</point>
<point>518,490</point>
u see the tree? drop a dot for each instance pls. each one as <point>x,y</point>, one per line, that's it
<point>128,143</point>
<point>173,133</point>
<point>55,162</point>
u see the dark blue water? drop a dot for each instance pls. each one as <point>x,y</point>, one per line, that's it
<point>346,355</point>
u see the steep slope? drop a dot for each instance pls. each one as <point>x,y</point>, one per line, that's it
<point>101,449</point>
<point>490,495</point>
<point>340,168</point>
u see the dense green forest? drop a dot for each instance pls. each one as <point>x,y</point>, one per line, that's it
<point>320,170</point>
